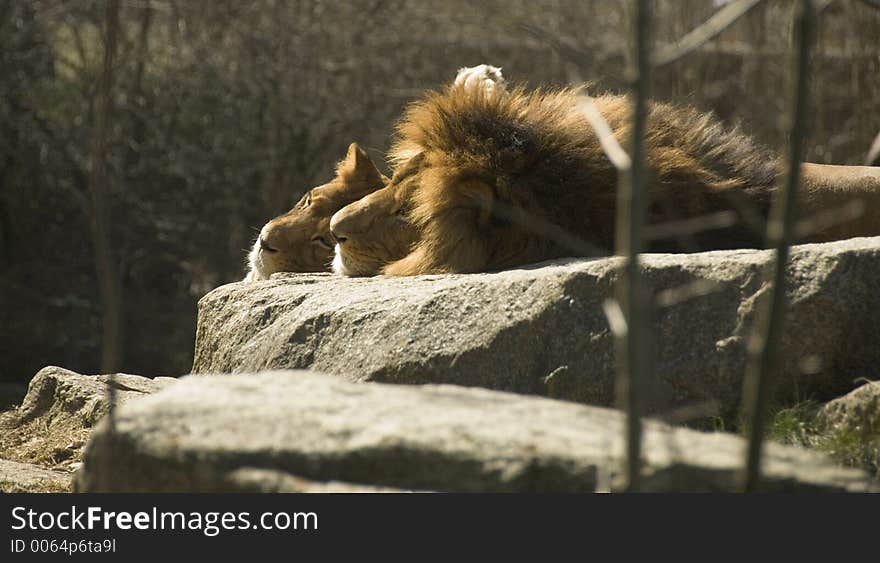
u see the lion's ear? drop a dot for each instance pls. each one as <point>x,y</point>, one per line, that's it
<point>357,164</point>
<point>351,156</point>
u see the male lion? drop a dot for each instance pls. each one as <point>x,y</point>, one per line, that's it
<point>299,240</point>
<point>487,180</point>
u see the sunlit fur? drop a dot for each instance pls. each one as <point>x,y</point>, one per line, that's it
<point>376,226</point>
<point>300,240</point>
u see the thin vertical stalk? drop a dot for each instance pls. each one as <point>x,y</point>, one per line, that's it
<point>631,210</point>
<point>763,347</point>
<point>109,286</point>
<point>107,273</point>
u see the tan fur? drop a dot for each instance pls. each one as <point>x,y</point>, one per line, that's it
<point>827,194</point>
<point>487,181</point>
<point>300,240</point>
<point>375,227</point>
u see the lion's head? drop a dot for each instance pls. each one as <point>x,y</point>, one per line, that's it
<point>376,229</point>
<point>434,217</point>
<point>300,240</point>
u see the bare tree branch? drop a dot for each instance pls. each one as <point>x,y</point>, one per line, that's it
<point>607,140</point>
<point>690,226</point>
<point>106,270</point>
<point>873,158</point>
<point>564,48</point>
<point>765,340</point>
<point>721,20</point>
<point>632,197</point>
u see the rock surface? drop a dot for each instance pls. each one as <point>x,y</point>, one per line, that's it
<point>850,427</point>
<point>26,478</point>
<point>58,411</point>
<point>196,434</point>
<point>542,329</point>
<point>857,410</point>
<point>55,392</point>
<point>254,480</point>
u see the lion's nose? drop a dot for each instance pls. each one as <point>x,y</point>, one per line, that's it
<point>268,238</point>
<point>338,227</point>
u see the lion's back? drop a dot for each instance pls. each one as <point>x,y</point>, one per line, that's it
<point>540,154</point>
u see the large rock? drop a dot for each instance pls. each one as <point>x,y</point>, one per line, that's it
<point>197,434</point>
<point>26,478</point>
<point>55,392</point>
<point>542,329</point>
<point>58,411</point>
<point>849,427</point>
<point>858,410</point>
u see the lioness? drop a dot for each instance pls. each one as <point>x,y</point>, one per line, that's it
<point>299,240</point>
<point>487,180</point>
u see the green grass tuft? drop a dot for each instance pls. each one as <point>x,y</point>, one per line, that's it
<point>854,447</point>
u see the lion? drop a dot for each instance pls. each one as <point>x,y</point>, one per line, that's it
<point>300,240</point>
<point>488,180</point>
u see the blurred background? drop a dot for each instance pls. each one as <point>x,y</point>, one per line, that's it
<point>132,184</point>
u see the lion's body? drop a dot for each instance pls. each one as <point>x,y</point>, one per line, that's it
<point>839,202</point>
<point>488,180</point>
<point>496,170</point>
